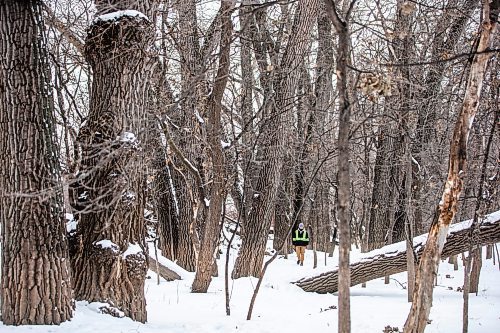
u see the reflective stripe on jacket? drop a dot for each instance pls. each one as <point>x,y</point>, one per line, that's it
<point>300,238</point>
<point>303,237</point>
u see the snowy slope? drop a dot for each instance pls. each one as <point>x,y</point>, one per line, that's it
<point>283,307</point>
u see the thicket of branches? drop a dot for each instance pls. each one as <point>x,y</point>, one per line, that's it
<point>178,122</point>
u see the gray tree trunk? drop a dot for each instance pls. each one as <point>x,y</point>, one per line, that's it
<point>251,255</point>
<point>211,230</point>
<point>111,264</point>
<point>35,277</point>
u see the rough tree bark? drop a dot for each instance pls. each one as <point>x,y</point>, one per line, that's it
<point>211,229</point>
<point>453,21</point>
<point>111,264</point>
<point>447,207</point>
<point>391,259</point>
<point>251,255</point>
<point>35,277</point>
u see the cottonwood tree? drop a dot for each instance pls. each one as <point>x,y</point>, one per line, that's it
<point>35,279</point>
<point>190,167</point>
<point>453,20</point>
<point>211,229</point>
<point>258,222</point>
<point>111,263</point>
<point>447,207</point>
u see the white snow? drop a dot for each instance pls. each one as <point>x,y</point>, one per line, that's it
<point>128,137</point>
<point>120,13</point>
<point>71,223</point>
<point>200,119</point>
<point>283,307</point>
<point>225,144</point>
<point>133,248</point>
<point>129,195</point>
<point>107,244</point>
<point>207,202</point>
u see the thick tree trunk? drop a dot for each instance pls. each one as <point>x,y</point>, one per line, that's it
<point>391,259</point>
<point>35,277</point>
<point>282,216</point>
<point>447,207</point>
<point>111,264</point>
<point>383,194</point>
<point>251,255</point>
<point>181,237</point>
<point>211,230</point>
<point>322,106</point>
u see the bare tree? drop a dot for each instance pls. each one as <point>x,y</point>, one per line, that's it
<point>341,23</point>
<point>211,229</point>
<point>447,207</point>
<point>250,257</point>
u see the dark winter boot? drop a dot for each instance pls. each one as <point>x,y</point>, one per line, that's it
<point>298,262</point>
<point>301,263</point>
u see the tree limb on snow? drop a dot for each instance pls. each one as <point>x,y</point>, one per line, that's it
<point>163,270</point>
<point>391,259</point>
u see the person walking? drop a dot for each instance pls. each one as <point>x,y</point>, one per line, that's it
<point>300,240</point>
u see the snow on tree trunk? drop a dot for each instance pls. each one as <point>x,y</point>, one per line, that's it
<point>447,207</point>
<point>391,259</point>
<point>111,264</point>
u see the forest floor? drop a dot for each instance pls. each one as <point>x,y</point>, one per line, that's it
<point>283,307</point>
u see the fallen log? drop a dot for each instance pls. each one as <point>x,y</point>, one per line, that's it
<point>391,259</point>
<point>163,270</point>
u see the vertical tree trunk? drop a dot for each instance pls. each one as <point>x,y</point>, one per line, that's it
<point>477,263</point>
<point>111,265</point>
<point>343,177</point>
<point>250,257</point>
<point>449,29</point>
<point>447,207</point>
<point>211,229</point>
<point>35,277</point>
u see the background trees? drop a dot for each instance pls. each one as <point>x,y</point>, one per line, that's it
<point>207,116</point>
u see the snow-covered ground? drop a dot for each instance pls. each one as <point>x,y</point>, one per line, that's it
<point>283,307</point>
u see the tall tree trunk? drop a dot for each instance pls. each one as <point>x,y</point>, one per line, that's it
<point>111,265</point>
<point>483,203</point>
<point>211,229</point>
<point>450,28</point>
<point>344,181</point>
<point>446,210</point>
<point>35,277</point>
<point>250,258</point>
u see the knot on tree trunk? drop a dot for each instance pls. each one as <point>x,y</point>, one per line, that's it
<point>125,37</point>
